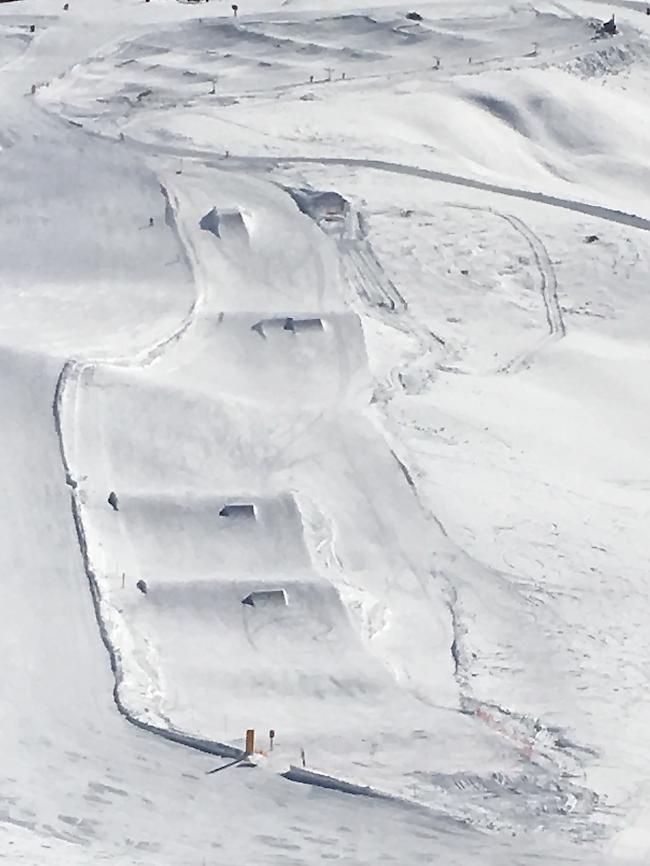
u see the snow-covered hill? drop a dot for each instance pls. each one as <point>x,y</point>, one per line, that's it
<point>323,362</point>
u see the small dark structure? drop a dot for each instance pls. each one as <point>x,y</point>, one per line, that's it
<point>228,223</point>
<point>320,205</point>
<point>142,586</point>
<point>414,16</point>
<point>112,500</point>
<point>238,510</point>
<point>609,27</point>
<point>235,9</point>
<point>266,596</point>
<point>591,239</point>
<point>297,325</point>
<point>210,222</point>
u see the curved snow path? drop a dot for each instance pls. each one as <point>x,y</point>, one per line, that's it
<point>265,162</point>
<point>548,288</point>
<point>69,377</point>
<point>598,211</point>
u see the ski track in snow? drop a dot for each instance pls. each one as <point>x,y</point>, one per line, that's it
<point>548,288</point>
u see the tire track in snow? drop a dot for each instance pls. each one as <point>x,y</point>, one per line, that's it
<point>548,286</point>
<point>549,280</point>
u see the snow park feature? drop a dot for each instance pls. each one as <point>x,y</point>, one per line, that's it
<point>324,433</point>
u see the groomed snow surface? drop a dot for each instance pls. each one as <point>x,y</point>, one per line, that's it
<point>324,410</point>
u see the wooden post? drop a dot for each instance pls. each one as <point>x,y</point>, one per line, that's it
<point>250,741</point>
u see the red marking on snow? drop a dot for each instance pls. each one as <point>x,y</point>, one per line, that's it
<point>524,744</point>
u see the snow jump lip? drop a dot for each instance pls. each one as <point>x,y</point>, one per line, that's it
<point>321,780</point>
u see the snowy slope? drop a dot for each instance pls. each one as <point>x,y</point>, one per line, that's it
<point>349,313</point>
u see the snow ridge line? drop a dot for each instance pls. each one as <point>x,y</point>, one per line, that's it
<point>316,779</point>
<point>525,733</point>
<point>537,743</point>
<point>235,162</point>
<point>72,368</point>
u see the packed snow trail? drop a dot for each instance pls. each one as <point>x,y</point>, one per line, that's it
<point>236,162</point>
